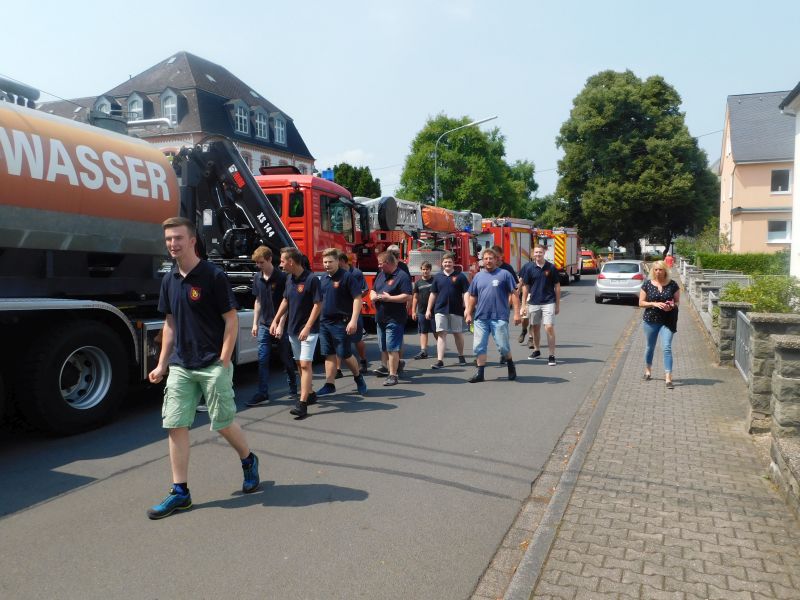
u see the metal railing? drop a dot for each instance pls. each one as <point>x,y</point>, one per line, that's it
<point>742,347</point>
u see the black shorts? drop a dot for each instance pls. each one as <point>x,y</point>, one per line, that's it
<point>425,325</point>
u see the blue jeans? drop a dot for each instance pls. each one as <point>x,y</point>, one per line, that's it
<point>390,336</point>
<point>264,349</point>
<point>651,331</point>
<point>499,330</point>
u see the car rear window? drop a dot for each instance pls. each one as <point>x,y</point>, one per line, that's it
<point>621,268</point>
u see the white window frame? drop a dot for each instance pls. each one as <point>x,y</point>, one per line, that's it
<point>772,237</point>
<point>781,192</point>
<point>266,161</point>
<point>103,106</point>
<point>262,125</point>
<point>248,160</point>
<point>280,130</point>
<point>135,109</point>
<point>241,119</point>
<point>169,107</point>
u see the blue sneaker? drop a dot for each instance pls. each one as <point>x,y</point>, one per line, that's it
<point>251,480</point>
<point>170,504</point>
<point>361,384</point>
<point>326,390</point>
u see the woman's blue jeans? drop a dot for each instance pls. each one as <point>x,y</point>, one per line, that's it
<point>651,332</point>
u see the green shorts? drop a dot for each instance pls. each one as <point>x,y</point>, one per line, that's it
<point>184,389</point>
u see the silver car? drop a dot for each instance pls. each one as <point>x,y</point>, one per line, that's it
<point>619,279</point>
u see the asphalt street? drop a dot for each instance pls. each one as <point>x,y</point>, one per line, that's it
<point>406,493</point>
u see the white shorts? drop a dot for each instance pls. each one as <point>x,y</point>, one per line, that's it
<point>304,350</point>
<point>542,313</point>
<point>449,323</point>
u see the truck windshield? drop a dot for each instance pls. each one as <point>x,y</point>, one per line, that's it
<point>337,217</point>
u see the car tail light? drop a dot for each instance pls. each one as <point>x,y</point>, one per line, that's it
<point>601,276</point>
<point>638,276</point>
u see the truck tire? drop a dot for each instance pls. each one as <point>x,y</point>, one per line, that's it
<point>564,278</point>
<point>72,378</point>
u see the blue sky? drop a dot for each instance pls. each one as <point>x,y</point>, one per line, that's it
<point>361,78</point>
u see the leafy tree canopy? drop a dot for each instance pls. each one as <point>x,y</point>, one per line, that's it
<point>358,180</point>
<point>630,168</point>
<point>473,174</point>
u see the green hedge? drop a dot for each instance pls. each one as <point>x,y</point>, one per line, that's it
<point>752,264</point>
<point>769,293</point>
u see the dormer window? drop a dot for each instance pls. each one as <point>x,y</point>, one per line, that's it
<point>104,106</point>
<point>135,110</point>
<point>241,119</point>
<point>169,106</point>
<point>280,130</point>
<point>261,125</point>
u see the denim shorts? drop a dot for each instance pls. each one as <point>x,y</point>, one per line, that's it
<point>390,336</point>
<point>304,350</point>
<point>424,325</point>
<point>333,339</point>
<point>499,331</point>
<point>184,389</point>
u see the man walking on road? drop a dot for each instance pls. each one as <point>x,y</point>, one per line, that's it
<point>302,299</point>
<point>390,294</point>
<point>268,286</point>
<point>541,294</point>
<point>197,342</point>
<point>341,307</point>
<point>446,305</point>
<point>490,293</point>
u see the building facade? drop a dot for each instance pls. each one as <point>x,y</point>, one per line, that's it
<point>756,174</point>
<point>184,99</point>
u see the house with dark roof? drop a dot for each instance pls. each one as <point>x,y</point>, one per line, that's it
<point>756,171</point>
<point>790,106</point>
<point>184,99</point>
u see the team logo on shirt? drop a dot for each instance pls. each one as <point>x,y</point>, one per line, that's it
<point>495,282</point>
<point>335,284</point>
<point>453,278</point>
<point>300,288</point>
<point>194,294</point>
<point>274,285</point>
<point>390,282</point>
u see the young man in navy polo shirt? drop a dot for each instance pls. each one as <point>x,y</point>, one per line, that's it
<point>358,337</point>
<point>390,294</point>
<point>268,286</point>
<point>302,300</point>
<point>197,343</point>
<point>541,294</point>
<point>341,307</point>
<point>446,306</point>
<point>490,293</point>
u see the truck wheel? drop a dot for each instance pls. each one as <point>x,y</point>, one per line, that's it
<point>564,279</point>
<point>72,378</point>
<point>577,277</point>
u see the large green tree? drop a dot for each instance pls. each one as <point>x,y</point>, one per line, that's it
<point>472,171</point>
<point>630,168</point>
<point>358,180</point>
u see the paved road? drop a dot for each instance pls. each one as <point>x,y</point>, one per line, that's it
<point>404,494</point>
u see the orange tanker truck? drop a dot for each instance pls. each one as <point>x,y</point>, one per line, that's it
<point>82,256</point>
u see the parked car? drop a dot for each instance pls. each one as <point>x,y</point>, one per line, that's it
<point>589,262</point>
<point>619,279</point>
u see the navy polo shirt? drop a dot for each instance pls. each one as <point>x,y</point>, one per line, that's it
<point>541,282</point>
<point>338,292</point>
<point>507,267</point>
<point>395,284</point>
<point>403,267</point>
<point>449,290</point>
<point>360,277</point>
<point>262,290</point>
<point>197,303</point>
<point>302,293</point>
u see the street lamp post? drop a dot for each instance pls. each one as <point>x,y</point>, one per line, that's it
<point>436,156</point>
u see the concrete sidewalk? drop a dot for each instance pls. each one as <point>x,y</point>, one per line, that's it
<point>669,498</point>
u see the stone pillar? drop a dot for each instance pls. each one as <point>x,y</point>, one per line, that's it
<point>784,470</point>
<point>727,329</point>
<point>762,352</point>
<point>704,290</point>
<point>694,290</point>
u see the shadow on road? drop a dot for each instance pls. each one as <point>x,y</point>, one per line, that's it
<point>298,495</point>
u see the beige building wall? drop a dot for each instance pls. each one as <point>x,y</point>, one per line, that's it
<point>748,204</point>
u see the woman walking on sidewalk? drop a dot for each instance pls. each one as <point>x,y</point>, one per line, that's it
<point>660,297</point>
